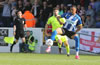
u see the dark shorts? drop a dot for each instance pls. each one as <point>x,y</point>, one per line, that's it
<point>68,33</point>
<point>19,34</point>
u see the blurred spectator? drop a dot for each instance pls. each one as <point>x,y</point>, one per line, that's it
<point>92,3</point>
<point>27,5</point>
<point>53,3</point>
<point>42,9</point>
<point>58,6</point>
<point>35,9</point>
<point>20,5</point>
<point>13,13</point>
<point>29,18</point>
<point>86,3</point>
<point>78,8</point>
<point>97,7</point>
<point>82,11</point>
<point>82,2</point>
<point>45,13</point>
<point>76,2</point>
<point>65,9</point>
<point>24,1</point>
<point>6,14</point>
<point>90,23</point>
<point>13,4</point>
<point>61,10</point>
<point>1,7</point>
<point>90,11</point>
<point>98,22</point>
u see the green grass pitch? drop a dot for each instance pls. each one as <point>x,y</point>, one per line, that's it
<point>46,59</point>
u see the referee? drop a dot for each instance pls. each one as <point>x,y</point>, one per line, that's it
<point>18,29</point>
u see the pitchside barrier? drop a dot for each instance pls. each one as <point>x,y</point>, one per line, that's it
<point>89,39</point>
<point>4,32</point>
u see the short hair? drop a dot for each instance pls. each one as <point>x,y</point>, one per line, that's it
<point>74,6</point>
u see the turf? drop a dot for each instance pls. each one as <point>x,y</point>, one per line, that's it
<point>46,59</point>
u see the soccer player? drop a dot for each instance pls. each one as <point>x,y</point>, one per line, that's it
<point>72,25</point>
<point>63,39</point>
<point>18,29</point>
<point>55,22</point>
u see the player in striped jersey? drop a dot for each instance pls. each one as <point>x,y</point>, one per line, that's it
<point>72,25</point>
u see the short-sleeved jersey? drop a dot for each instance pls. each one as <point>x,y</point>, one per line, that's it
<point>62,38</point>
<point>19,23</point>
<point>55,23</point>
<point>72,21</point>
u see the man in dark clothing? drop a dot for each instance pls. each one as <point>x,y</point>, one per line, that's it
<point>18,29</point>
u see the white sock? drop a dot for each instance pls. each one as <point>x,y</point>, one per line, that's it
<point>77,53</point>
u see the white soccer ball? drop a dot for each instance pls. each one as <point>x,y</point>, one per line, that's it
<point>49,42</point>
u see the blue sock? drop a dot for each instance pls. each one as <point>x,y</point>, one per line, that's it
<point>77,43</point>
<point>54,33</point>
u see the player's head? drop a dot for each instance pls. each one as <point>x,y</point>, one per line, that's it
<point>19,14</point>
<point>55,11</point>
<point>73,9</point>
<point>28,33</point>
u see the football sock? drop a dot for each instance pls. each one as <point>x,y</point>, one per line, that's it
<point>54,33</point>
<point>67,49</point>
<point>77,42</point>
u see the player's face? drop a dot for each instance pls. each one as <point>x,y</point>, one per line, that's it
<point>19,14</point>
<point>56,12</point>
<point>28,33</point>
<point>73,10</point>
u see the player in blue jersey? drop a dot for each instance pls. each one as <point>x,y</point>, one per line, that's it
<point>72,25</point>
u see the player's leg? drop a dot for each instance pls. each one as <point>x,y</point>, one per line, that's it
<point>54,33</point>
<point>67,47</point>
<point>77,43</point>
<point>11,47</point>
<point>16,37</point>
<point>59,45</point>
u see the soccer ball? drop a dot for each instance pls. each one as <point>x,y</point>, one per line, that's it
<point>49,42</point>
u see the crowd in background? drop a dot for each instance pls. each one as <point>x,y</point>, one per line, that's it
<point>89,11</point>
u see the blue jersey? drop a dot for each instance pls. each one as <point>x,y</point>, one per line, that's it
<point>71,21</point>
